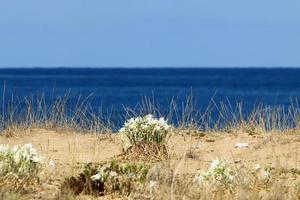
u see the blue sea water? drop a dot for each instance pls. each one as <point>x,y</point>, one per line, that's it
<point>119,88</point>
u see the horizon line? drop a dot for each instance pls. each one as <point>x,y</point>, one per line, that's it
<point>149,67</point>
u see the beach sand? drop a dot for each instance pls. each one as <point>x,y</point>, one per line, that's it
<point>188,151</point>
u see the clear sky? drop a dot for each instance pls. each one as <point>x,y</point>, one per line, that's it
<point>149,33</point>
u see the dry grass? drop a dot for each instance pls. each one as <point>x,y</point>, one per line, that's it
<point>144,152</point>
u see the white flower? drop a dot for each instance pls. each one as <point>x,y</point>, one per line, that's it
<point>266,174</point>
<point>214,163</point>
<point>113,174</point>
<point>17,157</point>
<point>28,146</point>
<point>96,177</point>
<point>37,159</point>
<point>219,171</point>
<point>131,175</point>
<point>143,129</point>
<point>152,184</point>
<point>122,130</point>
<point>19,160</point>
<point>257,167</point>
<point>3,148</point>
<point>231,178</point>
<point>51,163</point>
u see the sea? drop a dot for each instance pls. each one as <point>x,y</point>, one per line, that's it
<point>119,88</point>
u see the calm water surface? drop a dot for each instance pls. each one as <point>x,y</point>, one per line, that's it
<point>124,87</point>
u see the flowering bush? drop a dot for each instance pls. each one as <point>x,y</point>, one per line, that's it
<point>218,172</point>
<point>21,161</point>
<point>263,173</point>
<point>145,129</point>
<point>108,178</point>
<point>114,170</point>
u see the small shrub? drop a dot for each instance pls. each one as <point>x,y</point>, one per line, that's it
<point>219,172</point>
<point>264,173</point>
<point>145,129</point>
<point>111,177</point>
<point>20,161</point>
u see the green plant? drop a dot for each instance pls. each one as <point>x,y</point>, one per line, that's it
<point>144,130</point>
<point>219,172</point>
<point>110,177</point>
<point>20,161</point>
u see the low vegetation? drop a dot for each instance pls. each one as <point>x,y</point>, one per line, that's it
<point>20,161</point>
<point>219,173</point>
<point>108,178</point>
<point>146,129</point>
<point>218,183</point>
<point>20,168</point>
<point>150,165</point>
<point>145,138</point>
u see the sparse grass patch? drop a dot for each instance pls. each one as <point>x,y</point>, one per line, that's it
<point>9,195</point>
<point>146,152</point>
<point>248,182</point>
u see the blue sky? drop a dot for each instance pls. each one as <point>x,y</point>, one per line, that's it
<point>132,33</point>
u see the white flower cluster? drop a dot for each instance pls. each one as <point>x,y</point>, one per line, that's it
<point>265,173</point>
<point>145,129</point>
<point>218,172</point>
<point>145,124</point>
<point>103,174</point>
<point>19,160</point>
